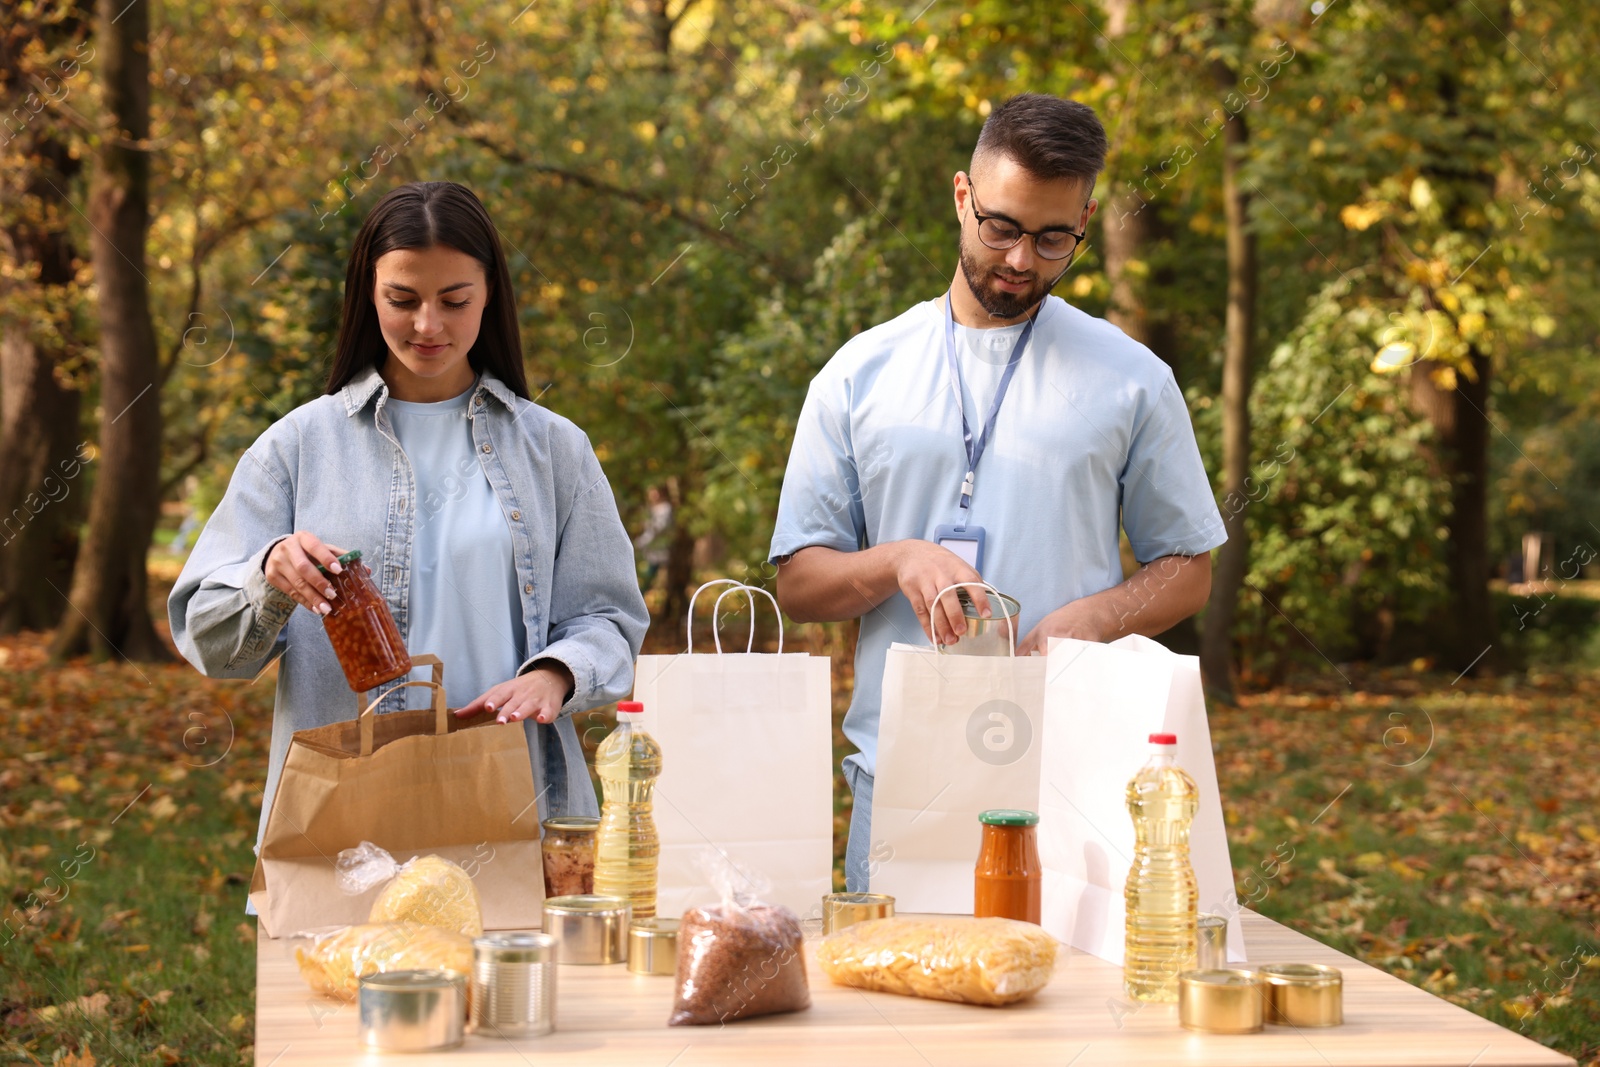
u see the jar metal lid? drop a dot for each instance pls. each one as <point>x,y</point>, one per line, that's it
<point>572,822</point>
<point>1008,817</point>
<point>515,948</point>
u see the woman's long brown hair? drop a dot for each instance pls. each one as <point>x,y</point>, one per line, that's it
<point>421,215</point>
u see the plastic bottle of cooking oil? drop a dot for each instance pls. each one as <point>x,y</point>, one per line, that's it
<point>627,848</point>
<point>1161,895</point>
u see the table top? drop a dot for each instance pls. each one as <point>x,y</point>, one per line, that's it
<point>604,1015</point>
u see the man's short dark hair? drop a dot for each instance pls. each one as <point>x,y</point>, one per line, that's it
<point>1049,137</point>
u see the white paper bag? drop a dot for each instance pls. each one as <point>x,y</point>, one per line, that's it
<point>1101,704</point>
<point>957,735</point>
<point>747,767</point>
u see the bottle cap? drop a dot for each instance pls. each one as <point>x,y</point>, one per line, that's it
<point>1163,739</point>
<point>1008,817</point>
<point>629,707</point>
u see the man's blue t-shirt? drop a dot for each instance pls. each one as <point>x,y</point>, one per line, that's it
<point>1093,431</point>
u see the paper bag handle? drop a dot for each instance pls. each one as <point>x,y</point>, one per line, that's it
<point>689,623</point>
<point>441,719</point>
<point>751,641</point>
<point>1011,626</point>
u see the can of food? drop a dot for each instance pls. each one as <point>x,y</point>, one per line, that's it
<point>588,928</point>
<point>846,909</point>
<point>568,852</point>
<point>986,637</point>
<point>1213,931</point>
<point>412,1011</point>
<point>1221,1001</point>
<point>1303,994</point>
<point>513,985</point>
<point>653,946</point>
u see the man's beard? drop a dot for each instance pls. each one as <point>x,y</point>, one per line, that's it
<point>997,302</point>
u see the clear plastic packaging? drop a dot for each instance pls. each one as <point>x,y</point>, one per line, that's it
<point>740,958</point>
<point>334,961</point>
<point>428,889</point>
<point>972,961</point>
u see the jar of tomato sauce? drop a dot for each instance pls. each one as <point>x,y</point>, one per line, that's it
<point>1006,880</point>
<point>361,629</point>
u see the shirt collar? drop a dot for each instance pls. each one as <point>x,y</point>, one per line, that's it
<point>360,390</point>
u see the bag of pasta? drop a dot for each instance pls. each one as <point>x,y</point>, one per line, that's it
<point>426,889</point>
<point>334,961</point>
<point>972,961</point>
<point>740,958</point>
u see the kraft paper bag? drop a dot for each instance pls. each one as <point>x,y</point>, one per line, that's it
<point>414,782</point>
<point>746,767</point>
<point>1101,704</point>
<point>958,734</point>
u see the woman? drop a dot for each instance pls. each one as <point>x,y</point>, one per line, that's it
<point>485,519</point>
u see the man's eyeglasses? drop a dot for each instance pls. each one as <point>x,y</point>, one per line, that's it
<point>1000,233</point>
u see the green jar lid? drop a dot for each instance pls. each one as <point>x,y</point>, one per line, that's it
<point>344,560</point>
<point>1008,817</point>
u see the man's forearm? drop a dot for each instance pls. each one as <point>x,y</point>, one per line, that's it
<point>820,584</point>
<point>1153,599</point>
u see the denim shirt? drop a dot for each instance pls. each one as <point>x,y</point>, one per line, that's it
<point>334,467</point>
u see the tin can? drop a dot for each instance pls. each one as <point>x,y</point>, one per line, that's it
<point>1221,1001</point>
<point>1213,940</point>
<point>588,928</point>
<point>412,1011</point>
<point>653,946</point>
<point>513,985</point>
<point>1303,994</point>
<point>840,910</point>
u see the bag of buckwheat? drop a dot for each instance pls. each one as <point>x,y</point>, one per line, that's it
<point>739,958</point>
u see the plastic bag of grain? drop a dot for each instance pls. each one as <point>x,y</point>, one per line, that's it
<point>739,958</point>
<point>972,961</point>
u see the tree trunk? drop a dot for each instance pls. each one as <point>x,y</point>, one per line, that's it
<point>1233,560</point>
<point>41,494</point>
<point>1464,629</point>
<point>111,613</point>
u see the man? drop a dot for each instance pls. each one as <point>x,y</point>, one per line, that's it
<point>1064,428</point>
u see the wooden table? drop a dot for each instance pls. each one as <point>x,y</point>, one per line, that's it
<point>604,1015</point>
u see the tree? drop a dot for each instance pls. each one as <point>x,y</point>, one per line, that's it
<point>111,614</point>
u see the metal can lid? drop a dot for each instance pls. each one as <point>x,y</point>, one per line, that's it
<point>1301,974</point>
<point>515,947</point>
<point>418,980</point>
<point>586,904</point>
<point>1231,976</point>
<point>1008,817</point>
<point>654,929</point>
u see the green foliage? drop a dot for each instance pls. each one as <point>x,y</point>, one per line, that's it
<point>1342,508</point>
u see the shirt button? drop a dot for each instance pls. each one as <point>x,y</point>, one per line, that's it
<point>516,515</point>
<point>486,448</point>
<point>527,588</point>
<point>480,401</point>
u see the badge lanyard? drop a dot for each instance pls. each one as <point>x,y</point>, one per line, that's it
<point>974,449</point>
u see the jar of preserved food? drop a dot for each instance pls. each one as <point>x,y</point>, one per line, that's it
<point>1006,881</point>
<point>568,851</point>
<point>361,629</point>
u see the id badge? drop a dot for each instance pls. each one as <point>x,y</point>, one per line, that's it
<point>966,542</point>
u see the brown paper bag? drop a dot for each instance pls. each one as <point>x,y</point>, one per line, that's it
<point>414,782</point>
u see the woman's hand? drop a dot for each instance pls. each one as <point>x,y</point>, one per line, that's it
<point>292,567</point>
<point>537,694</point>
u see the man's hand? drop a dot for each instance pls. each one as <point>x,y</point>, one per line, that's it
<point>1080,619</point>
<point>537,694</point>
<point>1155,597</point>
<point>291,566</point>
<point>922,569</point>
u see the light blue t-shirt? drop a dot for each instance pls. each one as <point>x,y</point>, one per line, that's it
<point>1093,431</point>
<point>465,607</point>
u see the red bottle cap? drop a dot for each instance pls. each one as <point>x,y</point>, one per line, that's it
<point>1155,739</point>
<point>629,707</point>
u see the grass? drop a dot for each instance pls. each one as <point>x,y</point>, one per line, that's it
<point>1444,832</point>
